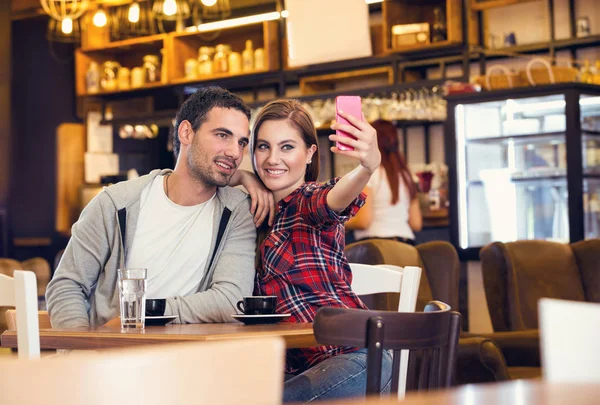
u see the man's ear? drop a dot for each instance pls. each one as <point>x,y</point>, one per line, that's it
<point>185,133</point>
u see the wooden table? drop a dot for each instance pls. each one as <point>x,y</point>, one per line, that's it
<point>519,392</point>
<point>296,335</point>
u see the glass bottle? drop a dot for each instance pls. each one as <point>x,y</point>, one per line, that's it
<point>235,63</point>
<point>439,32</point>
<point>259,59</point>
<point>205,64</point>
<point>220,63</point>
<point>108,81</point>
<point>151,68</point>
<point>248,57</point>
<point>596,78</point>
<point>92,78</point>
<point>586,73</point>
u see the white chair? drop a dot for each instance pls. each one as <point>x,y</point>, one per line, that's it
<point>20,291</point>
<point>387,278</point>
<point>569,335</point>
<point>248,372</point>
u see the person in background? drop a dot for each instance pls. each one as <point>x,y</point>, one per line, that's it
<point>392,210</point>
<point>301,258</point>
<point>195,235</point>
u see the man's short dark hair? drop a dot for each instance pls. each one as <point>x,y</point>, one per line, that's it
<point>197,106</point>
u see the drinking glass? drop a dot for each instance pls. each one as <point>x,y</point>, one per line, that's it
<point>132,296</point>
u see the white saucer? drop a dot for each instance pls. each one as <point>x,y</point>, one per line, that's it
<point>260,319</point>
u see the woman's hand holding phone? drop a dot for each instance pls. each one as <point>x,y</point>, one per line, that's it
<point>364,146</point>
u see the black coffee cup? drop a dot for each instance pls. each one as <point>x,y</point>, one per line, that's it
<point>259,305</point>
<point>155,306</point>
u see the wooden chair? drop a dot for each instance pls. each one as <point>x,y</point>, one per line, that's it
<point>368,280</point>
<point>569,334</point>
<point>20,291</point>
<point>431,336</point>
<point>11,319</point>
<point>238,372</point>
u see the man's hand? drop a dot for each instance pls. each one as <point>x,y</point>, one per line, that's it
<point>263,203</point>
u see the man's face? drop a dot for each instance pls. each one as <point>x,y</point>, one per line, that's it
<point>218,146</point>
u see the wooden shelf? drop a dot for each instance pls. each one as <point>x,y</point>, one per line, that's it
<point>317,84</point>
<point>128,44</point>
<point>184,46</point>
<point>147,86</point>
<point>411,12</point>
<point>487,4</point>
<point>212,78</point>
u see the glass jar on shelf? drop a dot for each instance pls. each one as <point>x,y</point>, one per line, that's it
<point>235,63</point>
<point>205,63</point>
<point>151,68</point>
<point>123,79</point>
<point>92,78</point>
<point>108,80</point>
<point>220,61</point>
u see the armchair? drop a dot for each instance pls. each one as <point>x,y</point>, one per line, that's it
<point>479,359</point>
<point>517,274</point>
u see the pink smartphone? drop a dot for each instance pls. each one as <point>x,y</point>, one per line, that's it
<point>350,105</point>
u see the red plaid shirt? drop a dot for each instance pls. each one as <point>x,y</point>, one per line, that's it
<point>303,264</point>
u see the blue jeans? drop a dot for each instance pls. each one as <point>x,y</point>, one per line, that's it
<point>341,376</point>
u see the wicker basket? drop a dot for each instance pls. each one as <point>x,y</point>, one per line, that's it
<point>548,74</point>
<point>500,77</point>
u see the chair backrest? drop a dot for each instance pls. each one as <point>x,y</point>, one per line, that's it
<point>569,335</point>
<point>20,291</point>
<point>386,278</point>
<point>431,337</point>
<point>517,274</point>
<point>439,261</point>
<point>11,319</point>
<point>241,372</point>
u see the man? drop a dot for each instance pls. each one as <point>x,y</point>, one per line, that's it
<point>195,236</point>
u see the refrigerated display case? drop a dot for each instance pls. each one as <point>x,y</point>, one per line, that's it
<point>524,164</point>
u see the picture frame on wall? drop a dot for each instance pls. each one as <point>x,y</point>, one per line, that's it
<point>582,27</point>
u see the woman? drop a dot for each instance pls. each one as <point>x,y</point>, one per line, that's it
<point>393,210</point>
<point>301,260</point>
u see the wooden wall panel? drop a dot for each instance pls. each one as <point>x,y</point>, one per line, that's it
<point>5,134</point>
<point>70,150</point>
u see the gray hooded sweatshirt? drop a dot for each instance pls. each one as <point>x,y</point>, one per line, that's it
<point>83,291</point>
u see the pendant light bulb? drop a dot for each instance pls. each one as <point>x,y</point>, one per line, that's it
<point>66,26</point>
<point>100,19</point>
<point>133,14</point>
<point>209,3</point>
<point>169,7</point>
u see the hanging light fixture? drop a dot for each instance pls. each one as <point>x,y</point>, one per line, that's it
<point>171,10</point>
<point>65,13</point>
<point>65,31</point>
<point>100,20</point>
<point>135,20</point>
<point>215,9</point>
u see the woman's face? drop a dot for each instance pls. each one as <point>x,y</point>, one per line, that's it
<point>281,157</point>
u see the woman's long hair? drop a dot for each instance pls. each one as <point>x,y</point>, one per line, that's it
<point>392,160</point>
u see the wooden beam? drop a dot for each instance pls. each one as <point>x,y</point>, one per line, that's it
<point>5,76</point>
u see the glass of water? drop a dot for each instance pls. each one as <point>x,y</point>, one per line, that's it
<point>132,296</point>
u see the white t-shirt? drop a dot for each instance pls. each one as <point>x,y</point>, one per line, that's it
<point>388,220</point>
<point>172,242</point>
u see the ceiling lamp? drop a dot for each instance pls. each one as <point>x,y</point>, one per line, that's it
<point>135,20</point>
<point>65,12</point>
<point>100,20</point>
<point>66,31</point>
<point>215,9</point>
<point>171,10</point>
